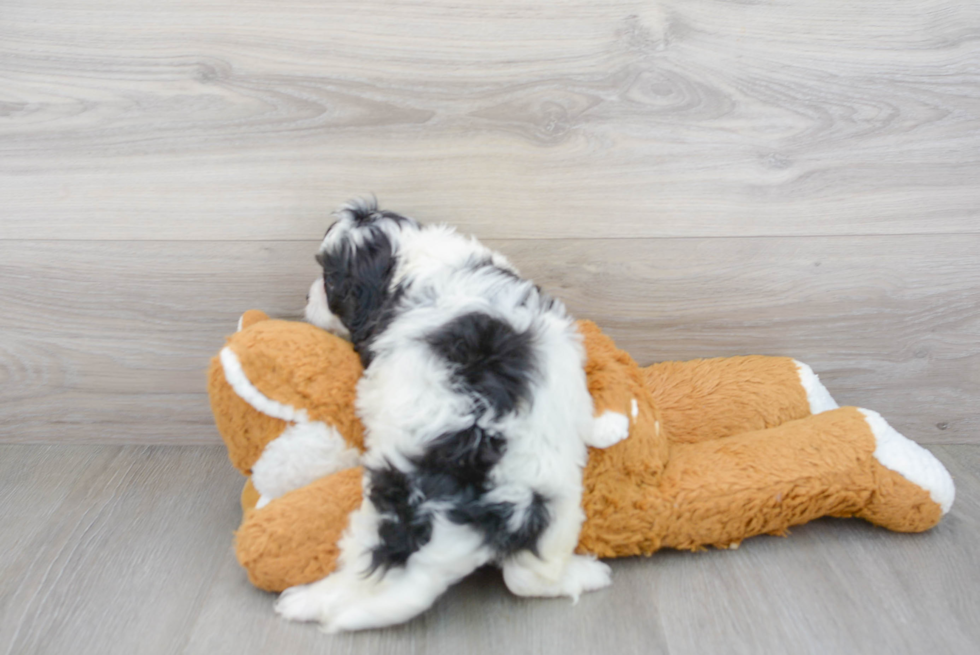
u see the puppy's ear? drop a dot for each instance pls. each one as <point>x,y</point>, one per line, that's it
<point>358,284</point>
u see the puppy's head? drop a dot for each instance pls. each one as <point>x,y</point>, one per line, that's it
<point>358,256</point>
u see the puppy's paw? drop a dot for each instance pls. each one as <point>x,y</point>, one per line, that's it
<point>583,574</point>
<point>608,429</point>
<point>337,603</point>
<point>300,603</point>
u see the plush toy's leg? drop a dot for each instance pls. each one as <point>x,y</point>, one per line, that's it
<point>842,462</point>
<point>845,462</point>
<point>908,467</point>
<point>713,398</point>
<point>294,539</point>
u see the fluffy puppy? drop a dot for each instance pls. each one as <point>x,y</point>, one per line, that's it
<point>476,416</point>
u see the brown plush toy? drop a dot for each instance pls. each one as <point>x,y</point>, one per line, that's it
<point>717,450</point>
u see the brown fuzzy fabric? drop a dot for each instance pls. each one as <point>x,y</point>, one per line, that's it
<point>244,429</point>
<point>297,542</point>
<point>722,491</point>
<point>295,364</point>
<point>706,399</point>
<point>719,450</point>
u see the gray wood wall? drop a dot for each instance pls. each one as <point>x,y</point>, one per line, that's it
<point>701,177</point>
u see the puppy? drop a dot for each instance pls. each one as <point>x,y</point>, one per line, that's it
<point>476,415</point>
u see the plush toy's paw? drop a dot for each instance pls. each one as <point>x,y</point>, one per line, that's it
<point>609,429</point>
<point>582,573</point>
<point>898,453</point>
<point>817,395</point>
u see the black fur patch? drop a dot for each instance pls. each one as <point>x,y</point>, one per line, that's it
<point>455,469</point>
<point>492,519</point>
<point>467,455</point>
<point>490,359</point>
<point>379,322</point>
<point>405,526</point>
<point>357,282</point>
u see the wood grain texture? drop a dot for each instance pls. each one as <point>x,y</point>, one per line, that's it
<point>249,120</point>
<point>108,341</point>
<point>127,550</point>
<point>701,177</point>
<point>122,544</point>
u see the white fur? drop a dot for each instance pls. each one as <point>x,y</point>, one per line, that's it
<point>819,398</point>
<point>609,428</point>
<point>318,313</point>
<point>913,462</point>
<point>407,398</point>
<point>303,453</point>
<point>584,573</point>
<point>428,253</point>
<point>347,600</point>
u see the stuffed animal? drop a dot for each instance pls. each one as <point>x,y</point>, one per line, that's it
<point>706,452</point>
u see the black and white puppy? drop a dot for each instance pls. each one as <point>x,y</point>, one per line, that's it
<point>477,418</point>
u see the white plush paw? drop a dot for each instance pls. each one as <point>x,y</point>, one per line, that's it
<point>817,395</point>
<point>910,460</point>
<point>609,429</point>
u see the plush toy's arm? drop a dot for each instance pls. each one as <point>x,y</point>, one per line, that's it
<point>608,429</point>
<point>615,386</point>
<point>706,399</point>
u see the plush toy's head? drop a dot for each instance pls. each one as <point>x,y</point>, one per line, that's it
<point>288,382</point>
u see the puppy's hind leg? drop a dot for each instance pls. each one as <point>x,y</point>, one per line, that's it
<point>351,600</point>
<point>556,570</point>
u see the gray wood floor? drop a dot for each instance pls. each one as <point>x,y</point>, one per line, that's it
<point>127,549</point>
<point>701,177</point>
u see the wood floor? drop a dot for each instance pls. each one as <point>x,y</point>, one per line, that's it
<point>127,549</point>
<point>701,177</point>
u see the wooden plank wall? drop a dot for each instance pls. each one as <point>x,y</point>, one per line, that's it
<point>701,177</point>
